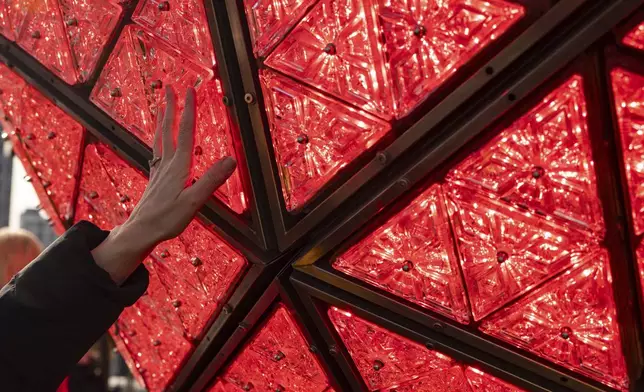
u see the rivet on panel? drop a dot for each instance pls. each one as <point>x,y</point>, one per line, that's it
<point>249,98</point>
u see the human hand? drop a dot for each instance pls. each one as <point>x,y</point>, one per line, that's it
<point>169,203</point>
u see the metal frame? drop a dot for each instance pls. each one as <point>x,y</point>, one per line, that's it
<point>317,296</point>
<point>289,229</point>
<point>435,157</point>
<point>245,233</point>
<point>280,290</point>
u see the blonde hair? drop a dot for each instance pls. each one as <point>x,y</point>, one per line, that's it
<point>18,248</point>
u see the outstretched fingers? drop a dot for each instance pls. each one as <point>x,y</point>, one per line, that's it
<point>168,124</point>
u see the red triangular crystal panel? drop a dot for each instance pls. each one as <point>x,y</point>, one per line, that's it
<point>43,35</point>
<point>276,358</point>
<point>629,104</point>
<point>147,336</point>
<point>428,42</point>
<point>269,21</point>
<point>180,23</point>
<point>635,37</point>
<point>130,90</point>
<point>47,141</point>
<point>542,162</point>
<point>504,251</point>
<point>313,136</point>
<point>387,361</point>
<point>412,256</point>
<point>89,25</point>
<point>335,48</point>
<point>569,321</point>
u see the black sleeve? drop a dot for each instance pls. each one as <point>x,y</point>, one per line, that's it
<point>54,310</point>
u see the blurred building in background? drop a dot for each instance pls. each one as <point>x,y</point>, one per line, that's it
<point>32,221</point>
<point>6,159</point>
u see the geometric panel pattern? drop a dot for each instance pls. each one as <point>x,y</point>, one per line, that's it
<point>426,43</point>
<point>195,272</point>
<point>66,36</point>
<point>277,358</point>
<point>542,162</point>
<point>47,141</point>
<point>131,90</point>
<point>387,361</point>
<point>412,256</point>
<point>314,136</point>
<point>570,321</point>
<point>182,24</point>
<point>339,53</point>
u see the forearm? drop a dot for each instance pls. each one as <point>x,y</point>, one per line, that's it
<point>57,307</point>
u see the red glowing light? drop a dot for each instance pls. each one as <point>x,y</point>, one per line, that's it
<point>339,53</point>
<point>570,321</point>
<point>635,37</point>
<point>386,360</point>
<point>149,337</point>
<point>47,141</point>
<point>313,136</point>
<point>182,24</point>
<point>504,251</point>
<point>411,256</point>
<point>66,36</point>
<point>130,89</point>
<point>196,271</point>
<point>276,358</point>
<point>629,104</point>
<point>425,44</point>
<point>542,162</point>
<point>269,21</point>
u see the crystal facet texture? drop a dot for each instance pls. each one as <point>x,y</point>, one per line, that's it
<point>47,141</point>
<point>628,90</point>
<point>635,37</point>
<point>411,256</point>
<point>570,321</point>
<point>277,358</point>
<point>130,89</point>
<point>196,272</point>
<point>426,42</point>
<point>269,21</point>
<point>182,24</point>
<point>504,251</point>
<point>542,162</point>
<point>386,360</point>
<point>313,136</point>
<point>66,36</point>
<point>335,48</point>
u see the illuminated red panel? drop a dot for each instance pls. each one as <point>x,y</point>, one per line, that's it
<point>42,34</point>
<point>89,25</point>
<point>277,358</point>
<point>47,142</point>
<point>149,336</point>
<point>313,136</point>
<point>130,89</point>
<point>6,22</point>
<point>425,44</point>
<point>387,361</point>
<point>181,23</point>
<point>411,256</point>
<point>197,268</point>
<point>482,382</point>
<point>269,21</point>
<point>505,251</point>
<point>338,52</point>
<point>628,89</point>
<point>635,37</point>
<point>542,162</point>
<point>570,321</point>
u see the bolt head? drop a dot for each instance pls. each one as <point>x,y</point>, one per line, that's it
<point>164,6</point>
<point>35,34</point>
<point>164,254</point>
<point>420,30</point>
<point>115,92</point>
<point>565,333</point>
<point>538,172</point>
<point>377,365</point>
<point>157,84</point>
<point>51,135</point>
<point>502,256</point>
<point>93,195</point>
<point>330,49</point>
<point>302,139</point>
<point>198,151</point>
<point>176,303</point>
<point>156,343</point>
<point>407,266</point>
<point>196,262</point>
<point>71,22</point>
<point>279,356</point>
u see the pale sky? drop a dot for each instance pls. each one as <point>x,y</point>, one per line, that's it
<point>23,195</point>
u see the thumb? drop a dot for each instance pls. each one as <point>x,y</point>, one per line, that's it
<point>214,177</point>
